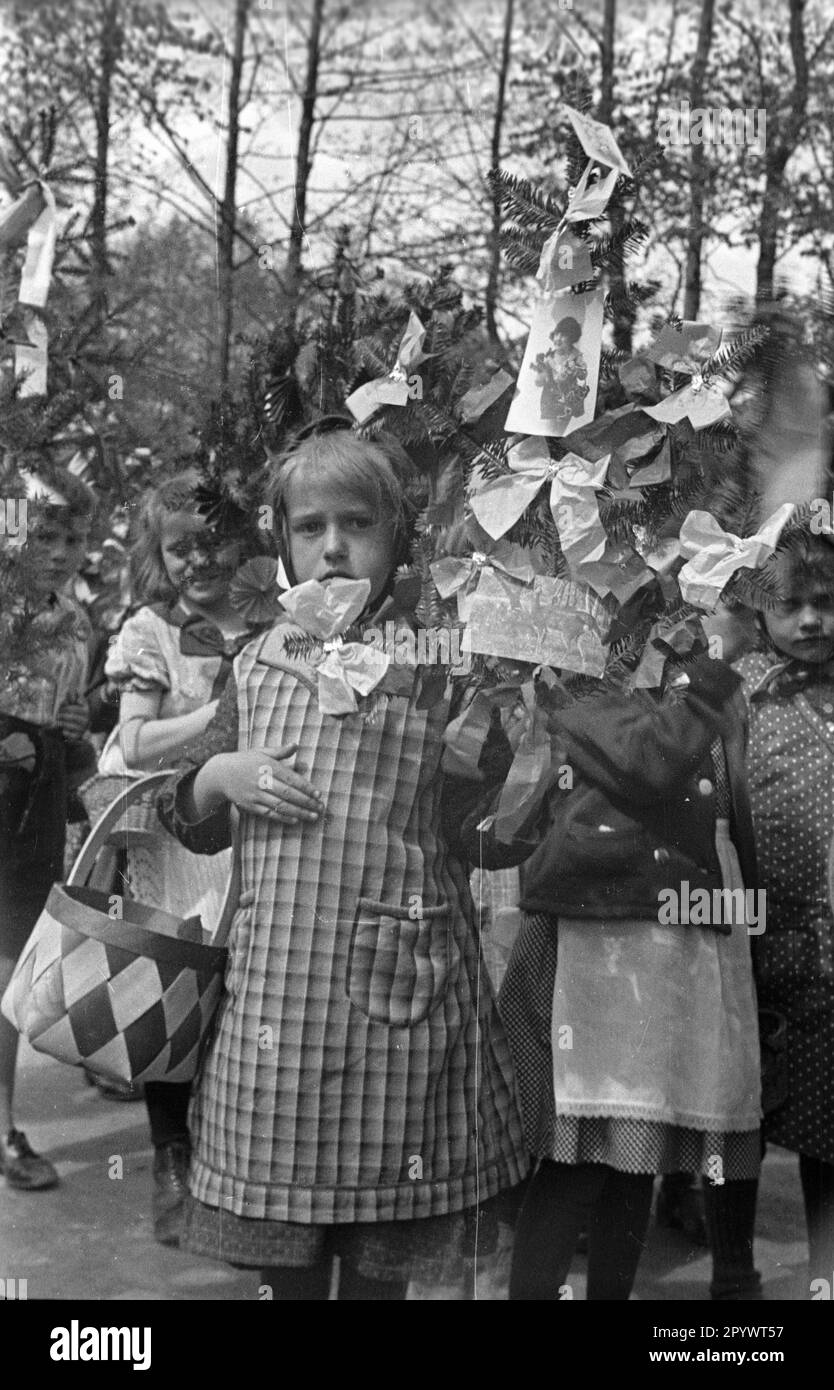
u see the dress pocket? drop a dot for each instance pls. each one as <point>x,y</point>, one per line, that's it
<point>399,965</point>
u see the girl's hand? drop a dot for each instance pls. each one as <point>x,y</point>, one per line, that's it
<point>262,783</point>
<point>73,719</point>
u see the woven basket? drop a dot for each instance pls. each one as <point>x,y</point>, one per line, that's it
<point>104,982</point>
<point>139,823</point>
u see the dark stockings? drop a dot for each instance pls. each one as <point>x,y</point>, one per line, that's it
<point>817,1180</point>
<point>564,1199</point>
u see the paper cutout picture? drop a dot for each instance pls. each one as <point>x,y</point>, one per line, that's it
<point>557,385</point>
<point>551,622</point>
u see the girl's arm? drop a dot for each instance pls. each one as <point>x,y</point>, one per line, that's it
<point>148,742</point>
<point>637,752</point>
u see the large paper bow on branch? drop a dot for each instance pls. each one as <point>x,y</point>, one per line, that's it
<point>688,349</point>
<point>394,388</point>
<point>715,554</point>
<point>573,480</point>
<point>32,216</point>
<point>345,669</point>
<point>460,575</point>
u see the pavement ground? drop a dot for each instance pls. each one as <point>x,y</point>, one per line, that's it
<point>91,1238</point>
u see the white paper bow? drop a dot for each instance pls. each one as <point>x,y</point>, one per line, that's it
<point>392,389</point>
<point>459,575</point>
<point>345,669</point>
<point>573,481</point>
<point>715,554</point>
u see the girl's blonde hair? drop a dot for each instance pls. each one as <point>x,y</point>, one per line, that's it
<point>150,578</point>
<point>378,471</point>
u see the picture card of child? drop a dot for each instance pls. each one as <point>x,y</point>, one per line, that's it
<point>557,386</point>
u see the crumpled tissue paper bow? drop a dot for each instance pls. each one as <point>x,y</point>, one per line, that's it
<point>564,261</point>
<point>530,773</point>
<point>32,215</point>
<point>676,639</point>
<point>688,349</point>
<point>392,389</point>
<point>345,669</point>
<point>459,575</point>
<point>573,481</point>
<point>715,554</point>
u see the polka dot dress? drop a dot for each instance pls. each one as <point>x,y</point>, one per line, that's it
<point>791,773</point>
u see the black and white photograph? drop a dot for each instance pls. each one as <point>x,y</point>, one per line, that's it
<point>417,669</point>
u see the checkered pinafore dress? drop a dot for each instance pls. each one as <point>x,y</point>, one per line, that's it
<point>359,1071</point>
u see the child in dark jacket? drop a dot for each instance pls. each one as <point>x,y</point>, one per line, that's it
<point>629,998</point>
<point>43,717</point>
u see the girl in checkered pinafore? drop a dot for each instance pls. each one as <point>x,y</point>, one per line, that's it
<point>357,1096</point>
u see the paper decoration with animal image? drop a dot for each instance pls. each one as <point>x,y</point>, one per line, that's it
<point>343,669</point>
<point>556,389</point>
<point>550,622</point>
<point>714,555</point>
<point>392,389</point>
<point>597,140</point>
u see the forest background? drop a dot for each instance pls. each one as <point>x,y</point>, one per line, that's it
<point>218,165</point>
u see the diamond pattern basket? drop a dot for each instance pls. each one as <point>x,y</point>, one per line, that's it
<point>125,990</point>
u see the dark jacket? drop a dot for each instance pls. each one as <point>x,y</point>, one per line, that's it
<point>640,816</point>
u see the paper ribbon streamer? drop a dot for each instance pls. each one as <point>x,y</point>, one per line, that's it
<point>465,736</point>
<point>346,669</point>
<point>715,554</point>
<point>478,399</point>
<point>529,774</point>
<point>392,389</point>
<point>459,575</point>
<point>590,200</point>
<point>597,140</point>
<point>34,214</point>
<point>678,639</point>
<point>564,261</point>
<point>701,402</point>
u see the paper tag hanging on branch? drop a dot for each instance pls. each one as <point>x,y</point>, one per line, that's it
<point>714,554</point>
<point>590,199</point>
<point>701,402</point>
<point>557,386</point>
<point>31,363</point>
<point>551,622</point>
<point>401,384</point>
<point>344,669</point>
<point>597,140</point>
<point>478,399</point>
<point>32,215</point>
<point>565,261</point>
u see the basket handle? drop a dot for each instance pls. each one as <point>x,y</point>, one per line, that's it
<point>97,837</point>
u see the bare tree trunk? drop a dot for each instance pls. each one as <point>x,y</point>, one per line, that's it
<point>109,53</point>
<point>778,151</point>
<point>495,160</point>
<point>697,170</point>
<point>606,99</point>
<point>303,162</point>
<point>228,209</point>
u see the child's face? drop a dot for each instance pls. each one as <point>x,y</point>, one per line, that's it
<point>332,532</point>
<point>802,624</point>
<point>198,567</point>
<point>53,553</point>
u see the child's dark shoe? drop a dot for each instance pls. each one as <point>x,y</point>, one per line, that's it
<point>22,1167</point>
<point>170,1176</point>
